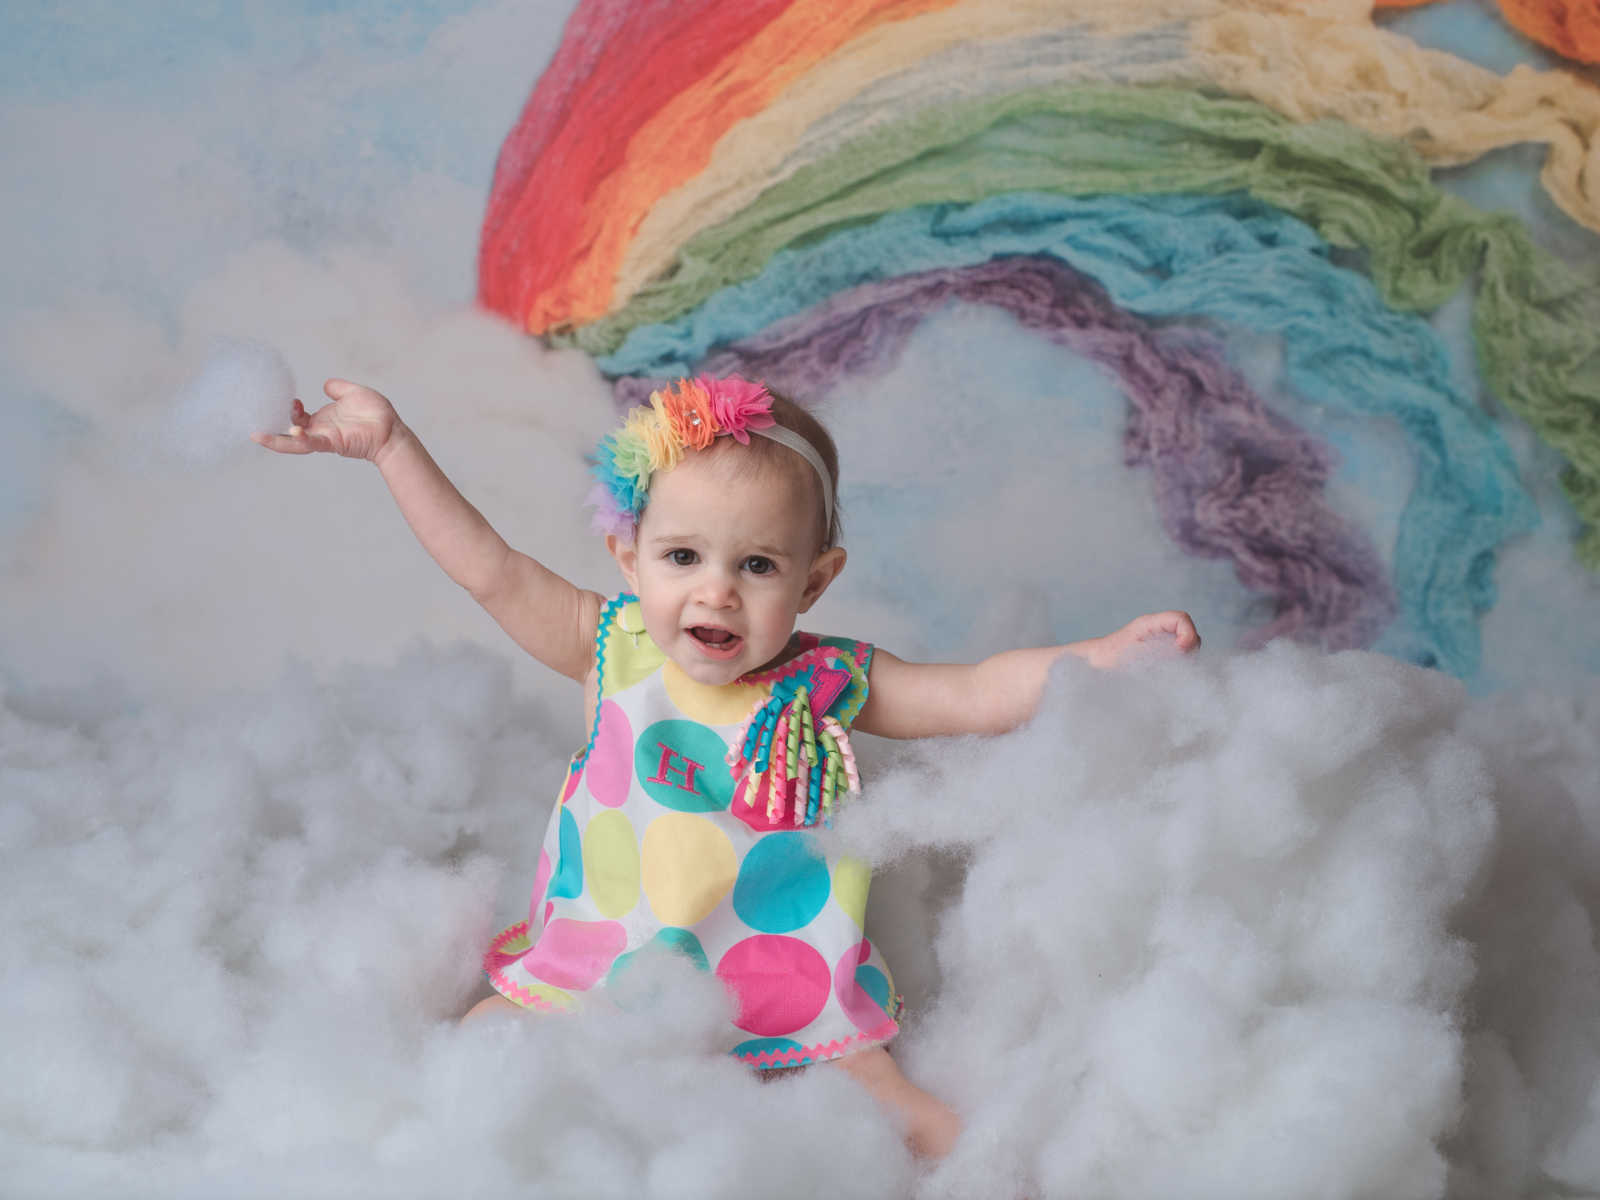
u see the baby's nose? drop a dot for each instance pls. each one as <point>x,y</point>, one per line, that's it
<point>717,589</point>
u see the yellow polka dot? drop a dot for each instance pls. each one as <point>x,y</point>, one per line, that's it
<point>611,863</point>
<point>850,879</point>
<point>515,946</point>
<point>688,866</point>
<point>727,704</point>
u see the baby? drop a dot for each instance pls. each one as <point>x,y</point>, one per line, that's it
<point>719,734</point>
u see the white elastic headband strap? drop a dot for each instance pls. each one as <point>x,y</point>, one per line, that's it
<point>791,439</point>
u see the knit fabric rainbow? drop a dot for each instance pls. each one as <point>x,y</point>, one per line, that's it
<point>784,188</point>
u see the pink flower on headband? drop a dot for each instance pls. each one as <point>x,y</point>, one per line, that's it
<point>687,408</point>
<point>738,405</point>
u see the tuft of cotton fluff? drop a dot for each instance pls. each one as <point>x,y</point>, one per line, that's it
<point>1534,1067</point>
<point>243,387</point>
<point>1203,946</point>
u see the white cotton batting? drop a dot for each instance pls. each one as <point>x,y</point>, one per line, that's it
<point>1274,925</point>
<point>243,387</point>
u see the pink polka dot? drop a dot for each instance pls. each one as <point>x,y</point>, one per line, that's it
<point>860,1007</point>
<point>541,880</point>
<point>781,983</point>
<point>574,954</point>
<point>610,764</point>
<point>571,785</point>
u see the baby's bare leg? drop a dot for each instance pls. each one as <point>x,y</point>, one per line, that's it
<point>931,1127</point>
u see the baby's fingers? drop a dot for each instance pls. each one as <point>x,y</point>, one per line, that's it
<point>293,442</point>
<point>1180,625</point>
<point>1164,630</point>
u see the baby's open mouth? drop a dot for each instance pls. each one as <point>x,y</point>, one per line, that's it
<point>715,641</point>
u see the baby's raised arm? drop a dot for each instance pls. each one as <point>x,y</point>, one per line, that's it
<point>546,615</point>
<point>912,700</point>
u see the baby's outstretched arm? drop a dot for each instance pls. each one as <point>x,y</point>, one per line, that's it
<point>547,616</point>
<point>910,700</point>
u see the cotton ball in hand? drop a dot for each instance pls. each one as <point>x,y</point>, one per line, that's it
<point>244,387</point>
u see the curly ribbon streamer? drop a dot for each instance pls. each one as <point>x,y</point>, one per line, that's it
<point>779,743</point>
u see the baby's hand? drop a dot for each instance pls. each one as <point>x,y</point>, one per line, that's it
<point>358,424</point>
<point>1154,632</point>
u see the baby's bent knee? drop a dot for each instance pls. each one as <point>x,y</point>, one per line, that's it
<point>489,1006</point>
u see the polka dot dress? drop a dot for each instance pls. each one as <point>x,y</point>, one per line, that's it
<point>654,846</point>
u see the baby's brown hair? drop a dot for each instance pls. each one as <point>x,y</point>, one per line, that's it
<point>766,454</point>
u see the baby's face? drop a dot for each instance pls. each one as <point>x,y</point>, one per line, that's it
<point>723,563</point>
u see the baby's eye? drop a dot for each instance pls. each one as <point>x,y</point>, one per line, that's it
<point>758,564</point>
<point>681,558</point>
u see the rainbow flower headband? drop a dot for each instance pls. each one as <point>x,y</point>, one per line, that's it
<point>690,414</point>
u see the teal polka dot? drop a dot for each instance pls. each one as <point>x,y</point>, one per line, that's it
<point>682,765</point>
<point>672,940</point>
<point>875,984</point>
<point>568,879</point>
<point>681,941</point>
<point>783,883</point>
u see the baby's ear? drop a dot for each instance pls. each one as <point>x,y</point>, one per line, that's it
<point>824,570</point>
<point>627,556</point>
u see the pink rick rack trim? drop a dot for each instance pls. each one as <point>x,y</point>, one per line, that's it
<point>822,1052</point>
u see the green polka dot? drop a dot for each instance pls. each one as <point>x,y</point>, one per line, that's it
<point>611,864</point>
<point>851,878</point>
<point>542,995</point>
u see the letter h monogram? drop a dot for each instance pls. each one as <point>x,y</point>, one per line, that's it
<point>672,761</point>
